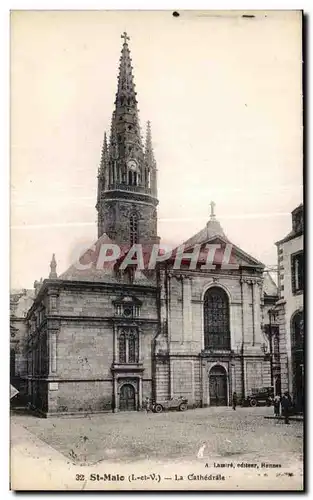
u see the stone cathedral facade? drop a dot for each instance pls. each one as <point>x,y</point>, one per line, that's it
<point>102,338</point>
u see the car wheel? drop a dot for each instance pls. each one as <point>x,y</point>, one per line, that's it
<point>183,407</point>
<point>158,408</point>
<point>253,402</point>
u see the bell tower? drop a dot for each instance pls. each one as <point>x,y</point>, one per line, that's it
<point>127,176</point>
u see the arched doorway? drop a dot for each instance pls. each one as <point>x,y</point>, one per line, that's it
<point>218,386</point>
<point>127,398</point>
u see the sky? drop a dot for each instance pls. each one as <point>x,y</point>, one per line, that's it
<point>224,97</point>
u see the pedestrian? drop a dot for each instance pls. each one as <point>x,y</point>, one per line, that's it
<point>147,405</point>
<point>277,405</point>
<point>285,406</point>
<point>234,400</point>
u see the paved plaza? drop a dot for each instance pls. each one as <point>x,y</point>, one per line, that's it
<point>223,435</point>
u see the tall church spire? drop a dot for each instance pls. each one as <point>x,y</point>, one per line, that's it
<point>127,199</point>
<point>125,132</point>
<point>126,95</point>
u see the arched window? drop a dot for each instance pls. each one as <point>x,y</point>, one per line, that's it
<point>133,229</point>
<point>216,319</point>
<point>132,178</point>
<point>297,330</point>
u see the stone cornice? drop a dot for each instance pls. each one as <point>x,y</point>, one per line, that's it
<point>108,319</point>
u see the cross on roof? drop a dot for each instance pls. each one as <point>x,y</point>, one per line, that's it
<point>125,36</point>
<point>212,205</point>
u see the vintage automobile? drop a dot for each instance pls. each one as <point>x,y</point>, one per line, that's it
<point>259,397</point>
<point>179,404</point>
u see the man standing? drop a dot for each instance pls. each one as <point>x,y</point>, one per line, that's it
<point>285,405</point>
<point>277,405</point>
<point>234,400</point>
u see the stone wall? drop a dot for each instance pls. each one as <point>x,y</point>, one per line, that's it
<point>81,396</point>
<point>80,328</point>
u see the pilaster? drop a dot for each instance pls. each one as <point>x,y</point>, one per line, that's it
<point>187,334</point>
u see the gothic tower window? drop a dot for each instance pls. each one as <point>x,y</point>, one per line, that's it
<point>216,319</point>
<point>132,178</point>
<point>133,228</point>
<point>128,346</point>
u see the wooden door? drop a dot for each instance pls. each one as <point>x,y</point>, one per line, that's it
<point>127,398</point>
<point>218,386</point>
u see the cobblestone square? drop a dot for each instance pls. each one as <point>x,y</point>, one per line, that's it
<point>223,434</point>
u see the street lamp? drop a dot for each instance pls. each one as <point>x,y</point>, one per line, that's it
<point>270,333</point>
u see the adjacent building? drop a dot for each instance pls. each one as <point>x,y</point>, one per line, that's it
<point>289,308</point>
<point>20,303</point>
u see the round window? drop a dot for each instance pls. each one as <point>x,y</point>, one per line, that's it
<point>127,311</point>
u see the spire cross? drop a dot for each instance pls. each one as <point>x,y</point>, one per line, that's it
<point>124,35</point>
<point>212,205</point>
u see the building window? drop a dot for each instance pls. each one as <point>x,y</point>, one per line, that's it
<point>128,346</point>
<point>122,348</point>
<point>127,306</point>
<point>297,330</point>
<point>297,268</point>
<point>132,178</point>
<point>275,346</point>
<point>216,319</point>
<point>53,302</point>
<point>133,228</point>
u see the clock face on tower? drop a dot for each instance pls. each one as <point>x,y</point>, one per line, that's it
<point>132,165</point>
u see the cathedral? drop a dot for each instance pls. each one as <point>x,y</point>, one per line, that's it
<point>105,337</point>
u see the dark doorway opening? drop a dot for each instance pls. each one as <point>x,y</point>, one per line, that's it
<point>218,386</point>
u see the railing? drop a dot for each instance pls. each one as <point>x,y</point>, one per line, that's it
<point>126,187</point>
